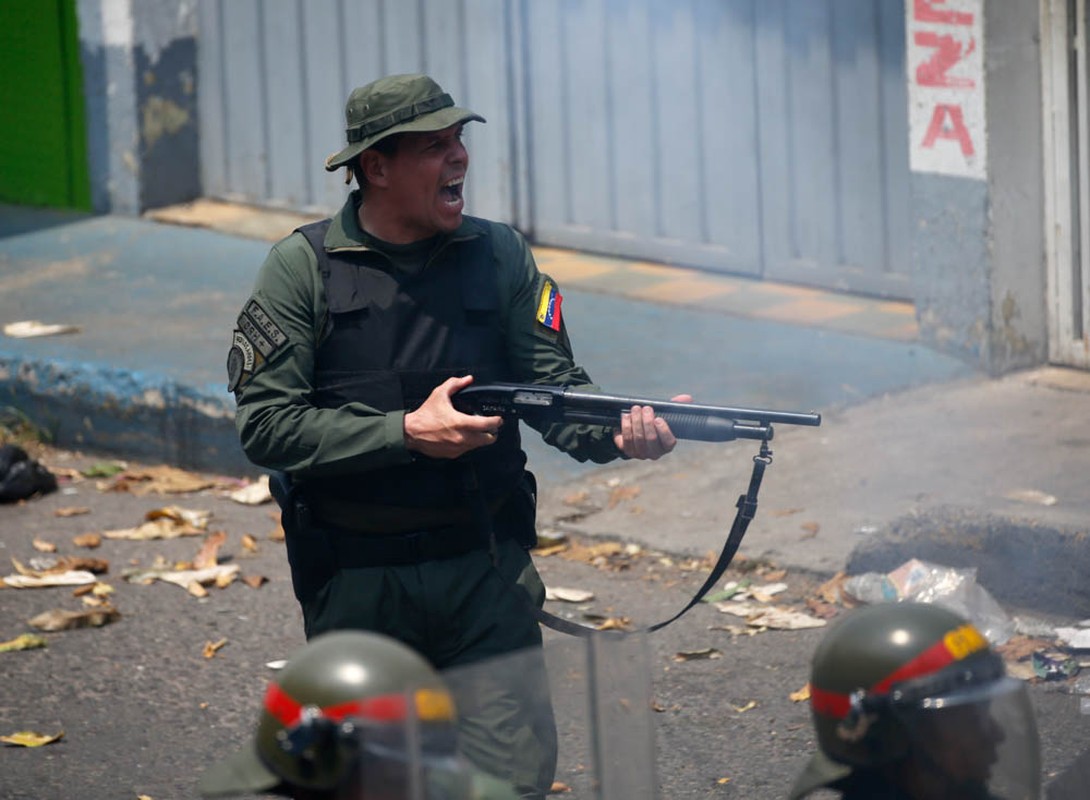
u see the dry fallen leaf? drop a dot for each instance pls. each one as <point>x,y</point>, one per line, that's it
<point>831,590</point>
<point>723,781</point>
<point>208,555</point>
<point>253,494</point>
<point>31,739</point>
<point>577,498</point>
<point>764,594</point>
<point>589,553</point>
<point>254,581</point>
<point>784,512</point>
<point>88,540</point>
<point>183,578</point>
<point>1020,647</point>
<point>161,480</point>
<point>559,788</point>
<point>25,641</point>
<point>550,550</point>
<point>43,546</point>
<point>211,648</point>
<point>801,695</point>
<point>747,707</point>
<point>59,620</point>
<point>694,655</point>
<point>168,522</point>
<point>821,609</point>
<point>43,565</point>
<point>810,530</point>
<point>568,595</point>
<point>786,619</point>
<point>249,543</point>
<point>621,494</point>
<point>74,578</point>
<point>72,511</point>
<point>615,624</point>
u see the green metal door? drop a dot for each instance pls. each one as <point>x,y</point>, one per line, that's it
<point>43,144</point>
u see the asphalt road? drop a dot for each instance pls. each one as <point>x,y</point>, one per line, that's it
<point>143,710</point>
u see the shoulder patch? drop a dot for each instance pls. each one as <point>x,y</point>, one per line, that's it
<point>255,340</point>
<point>548,306</point>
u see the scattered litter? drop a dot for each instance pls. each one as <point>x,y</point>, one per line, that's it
<point>32,328</point>
<point>1054,666</point>
<point>1075,638</point>
<point>801,696</point>
<point>1031,496</point>
<point>279,663</point>
<point>730,590</point>
<point>568,595</point>
<point>776,617</point>
<point>752,704</point>
<point>956,589</point>
<point>21,477</point>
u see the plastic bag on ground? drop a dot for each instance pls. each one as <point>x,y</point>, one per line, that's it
<point>924,582</point>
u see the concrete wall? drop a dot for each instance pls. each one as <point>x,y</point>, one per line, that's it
<point>978,250</point>
<point>1018,335</point>
<point>139,67</point>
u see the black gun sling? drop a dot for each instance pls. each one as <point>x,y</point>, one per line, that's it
<point>747,509</point>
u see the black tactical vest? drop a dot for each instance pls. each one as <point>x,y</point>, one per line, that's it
<point>392,339</point>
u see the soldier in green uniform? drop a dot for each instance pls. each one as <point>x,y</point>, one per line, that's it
<point>909,702</point>
<point>354,716</point>
<point>343,363</point>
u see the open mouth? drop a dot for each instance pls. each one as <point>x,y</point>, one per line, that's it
<point>452,190</point>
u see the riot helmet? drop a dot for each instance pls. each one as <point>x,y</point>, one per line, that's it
<point>914,693</point>
<point>352,714</point>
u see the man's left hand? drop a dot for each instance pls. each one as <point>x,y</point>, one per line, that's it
<point>645,436</point>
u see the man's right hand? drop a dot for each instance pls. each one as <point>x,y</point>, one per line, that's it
<point>437,429</point>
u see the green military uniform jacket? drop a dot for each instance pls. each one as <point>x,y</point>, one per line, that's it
<point>272,358</point>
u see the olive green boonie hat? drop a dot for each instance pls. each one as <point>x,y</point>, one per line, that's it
<point>395,104</point>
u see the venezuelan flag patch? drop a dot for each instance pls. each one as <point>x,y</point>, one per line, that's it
<point>548,307</point>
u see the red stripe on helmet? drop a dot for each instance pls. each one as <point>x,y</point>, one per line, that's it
<point>837,704</point>
<point>386,708</point>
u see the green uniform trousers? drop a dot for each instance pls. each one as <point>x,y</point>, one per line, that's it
<point>455,612</point>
